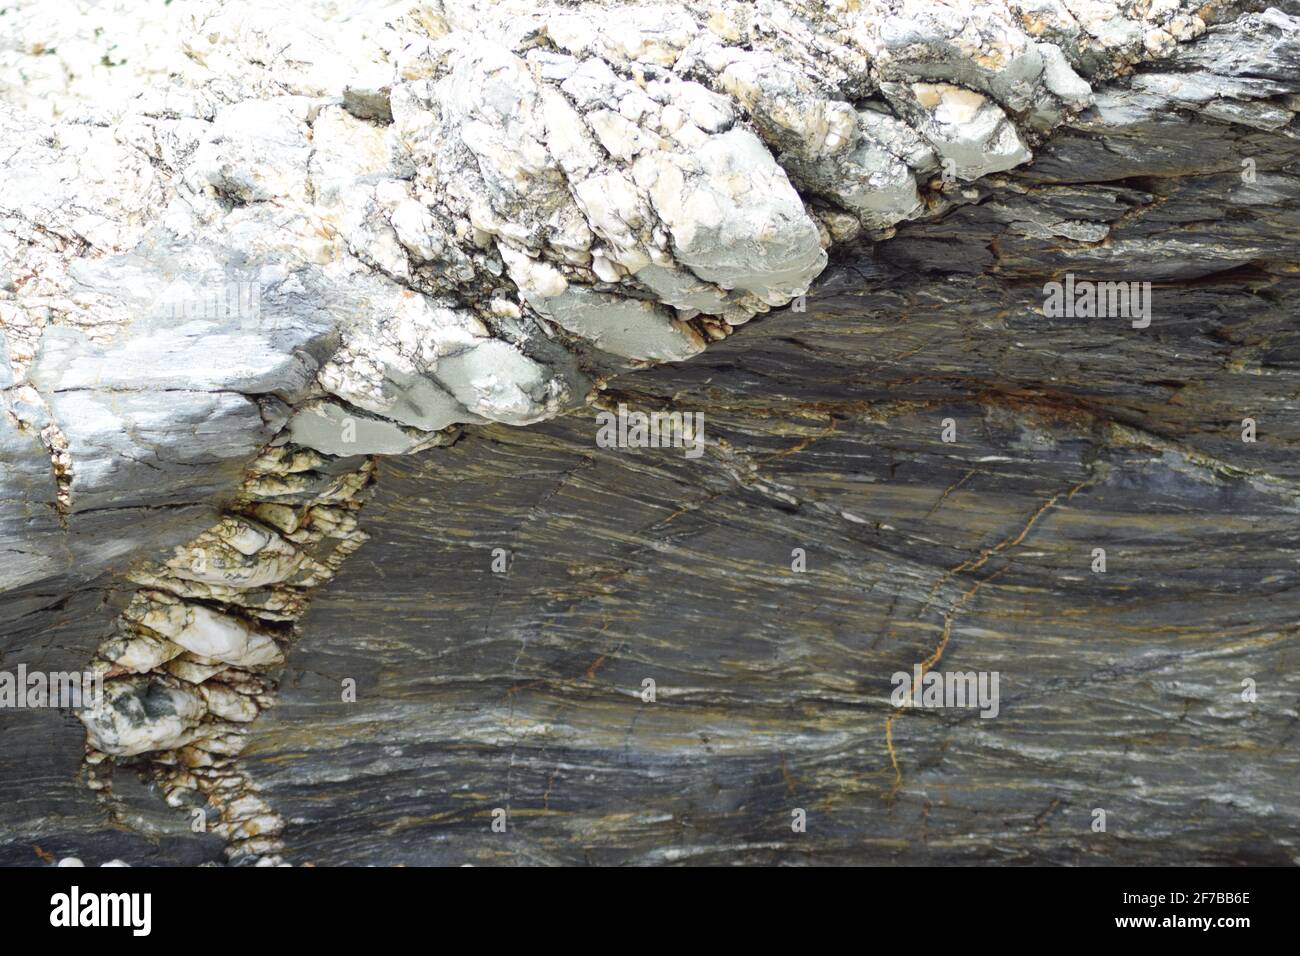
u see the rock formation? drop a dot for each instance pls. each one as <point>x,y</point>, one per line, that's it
<point>988,311</point>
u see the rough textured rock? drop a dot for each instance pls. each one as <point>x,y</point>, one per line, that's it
<point>274,243</point>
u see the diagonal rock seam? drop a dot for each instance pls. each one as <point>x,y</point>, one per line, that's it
<point>185,672</point>
<point>503,208</point>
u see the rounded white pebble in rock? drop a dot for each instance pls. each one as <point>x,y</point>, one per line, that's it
<point>70,861</point>
<point>114,863</point>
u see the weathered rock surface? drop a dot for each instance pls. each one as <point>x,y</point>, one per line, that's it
<point>439,233</point>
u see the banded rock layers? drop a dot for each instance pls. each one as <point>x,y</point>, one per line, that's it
<point>461,215</point>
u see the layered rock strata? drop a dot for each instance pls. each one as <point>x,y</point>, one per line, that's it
<point>281,244</point>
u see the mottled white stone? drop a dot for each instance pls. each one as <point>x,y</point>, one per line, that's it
<point>210,635</point>
<point>969,129</point>
<point>142,714</point>
<point>735,219</point>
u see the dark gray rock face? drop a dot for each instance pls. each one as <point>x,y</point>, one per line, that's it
<point>47,807</point>
<point>554,651</point>
<point>1120,690</point>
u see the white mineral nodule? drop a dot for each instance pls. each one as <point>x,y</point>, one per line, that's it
<point>141,714</point>
<point>969,129</point>
<point>734,218</point>
<point>209,635</point>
